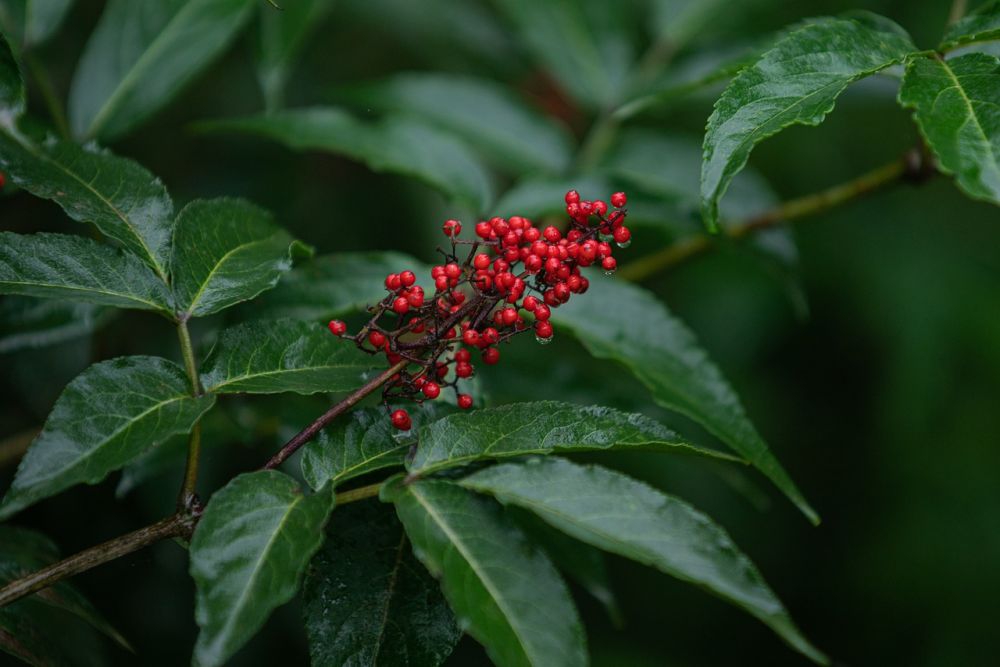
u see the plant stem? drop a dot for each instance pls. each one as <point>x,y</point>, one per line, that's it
<point>358,494</point>
<point>309,432</point>
<point>187,351</point>
<point>789,211</point>
<point>172,526</point>
<point>187,498</point>
<point>48,91</point>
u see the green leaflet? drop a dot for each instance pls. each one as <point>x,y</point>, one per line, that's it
<point>227,251</point>
<point>504,591</point>
<point>539,428</point>
<point>396,144</point>
<point>73,267</point>
<point>795,83</point>
<point>618,514</point>
<point>27,323</point>
<point>955,103</point>
<point>281,36</point>
<point>484,114</point>
<point>632,327</point>
<point>106,417</point>
<point>29,23</point>
<point>248,553</point>
<point>142,54</point>
<point>368,601</point>
<point>12,93</point>
<point>980,25</point>
<point>273,356</point>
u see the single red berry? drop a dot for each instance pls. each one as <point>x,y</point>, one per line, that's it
<point>471,337</point>
<point>401,420</point>
<point>529,303</point>
<point>542,312</point>
<point>600,207</point>
<point>551,234</point>
<point>463,369</point>
<point>401,305</point>
<point>415,299</point>
<point>491,355</point>
<point>431,390</point>
<point>463,355</point>
<point>618,199</point>
<point>441,283</point>
<point>484,230</point>
<point>622,235</point>
<point>337,328</point>
<point>481,261</point>
<point>392,282</point>
<point>531,234</point>
<point>377,338</point>
<point>464,401</point>
<point>609,263</point>
<point>543,329</point>
<point>572,197</point>
<point>508,316</point>
<point>407,278</point>
<point>452,228</point>
<point>490,336</point>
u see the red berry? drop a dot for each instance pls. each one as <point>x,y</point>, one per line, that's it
<point>451,228</point>
<point>337,328</point>
<point>392,282</point>
<point>464,401</point>
<point>600,207</point>
<point>463,355</point>
<point>377,338</point>
<point>484,230</point>
<point>508,316</point>
<point>529,303</point>
<point>609,263</point>
<point>407,278</point>
<point>481,261</point>
<point>542,312</point>
<point>572,197</point>
<point>531,235</point>
<point>618,199</point>
<point>452,270</point>
<point>3,180</point>
<point>551,234</point>
<point>463,369</point>
<point>543,329</point>
<point>471,337</point>
<point>401,420</point>
<point>490,336</point>
<point>441,283</point>
<point>401,305</point>
<point>491,355</point>
<point>431,390</point>
<point>415,299</point>
<point>622,235</point>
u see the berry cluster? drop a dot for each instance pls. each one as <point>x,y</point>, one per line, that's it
<point>512,270</point>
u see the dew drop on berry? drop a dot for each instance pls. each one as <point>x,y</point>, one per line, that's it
<point>543,341</point>
<point>624,244</point>
<point>609,272</point>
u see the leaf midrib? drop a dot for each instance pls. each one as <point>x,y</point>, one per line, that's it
<point>280,371</point>
<point>972,114</point>
<point>216,267</point>
<point>121,295</point>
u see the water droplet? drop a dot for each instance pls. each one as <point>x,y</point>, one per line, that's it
<point>609,272</point>
<point>543,341</point>
<point>624,244</point>
<point>403,436</point>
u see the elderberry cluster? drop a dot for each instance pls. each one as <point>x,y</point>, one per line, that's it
<point>512,270</point>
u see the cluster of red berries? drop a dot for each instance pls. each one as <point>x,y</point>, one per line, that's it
<point>513,269</point>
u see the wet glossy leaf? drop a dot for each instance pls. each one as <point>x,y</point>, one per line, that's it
<point>368,601</point>
<point>504,591</point>
<point>29,23</point>
<point>107,416</point>
<point>27,323</point>
<point>955,102</point>
<point>795,83</point>
<point>73,267</point>
<point>142,54</point>
<point>273,356</point>
<point>281,36</point>
<point>248,554</point>
<point>635,329</point>
<point>980,25</point>
<point>227,251</point>
<point>619,514</point>
<point>540,428</point>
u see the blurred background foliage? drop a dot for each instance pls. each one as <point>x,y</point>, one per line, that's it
<point>865,342</point>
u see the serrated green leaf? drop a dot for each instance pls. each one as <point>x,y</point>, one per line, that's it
<point>142,54</point>
<point>281,36</point>
<point>632,327</point>
<point>107,416</point>
<point>31,22</point>
<point>980,25</point>
<point>123,200</point>
<point>368,601</point>
<point>333,285</point>
<point>955,104</point>
<point>398,145</point>
<point>360,443</point>
<point>27,323</point>
<point>540,428</point>
<point>72,267</point>
<point>274,356</point>
<point>226,251</point>
<point>248,553</point>
<point>795,83</point>
<point>23,552</point>
<point>504,591</point>
<point>583,45</point>
<point>486,115</point>
<point>618,514</point>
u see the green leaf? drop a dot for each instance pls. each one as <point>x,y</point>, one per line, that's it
<point>618,514</point>
<point>107,416</point>
<point>72,267</point>
<point>23,552</point>
<point>955,104</point>
<point>123,200</point>
<point>270,357</point>
<point>368,601</point>
<point>632,327</point>
<point>795,83</point>
<point>397,145</point>
<point>334,285</point>
<point>27,323</point>
<point>12,92</point>
<point>980,25</point>
<point>540,428</point>
<point>227,251</point>
<point>486,115</point>
<point>281,37</point>
<point>504,590</point>
<point>142,54</point>
<point>583,45</point>
<point>248,553</point>
<point>30,22</point>
<point>359,443</point>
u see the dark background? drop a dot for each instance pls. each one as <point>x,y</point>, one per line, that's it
<point>882,400</point>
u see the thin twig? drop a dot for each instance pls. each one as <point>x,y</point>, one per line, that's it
<point>187,499</point>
